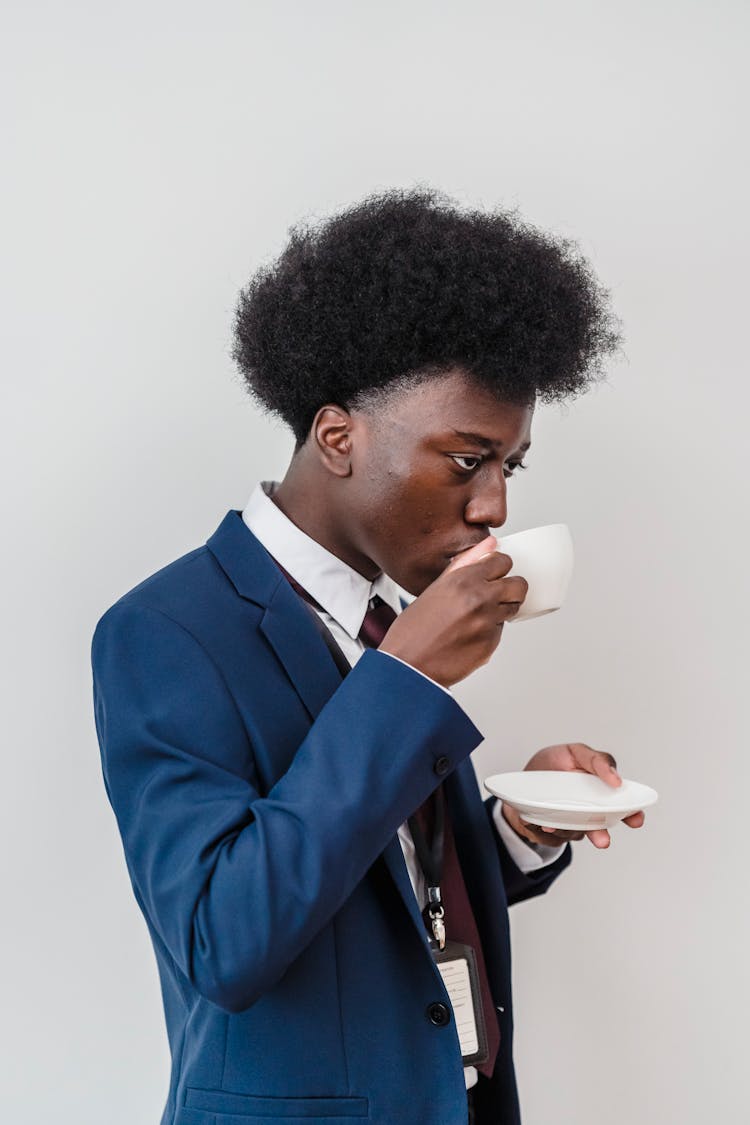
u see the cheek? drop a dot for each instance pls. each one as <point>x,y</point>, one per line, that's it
<point>422,505</point>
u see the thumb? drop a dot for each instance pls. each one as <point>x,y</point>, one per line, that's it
<point>474,554</point>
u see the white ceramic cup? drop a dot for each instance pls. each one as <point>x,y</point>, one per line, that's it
<point>544,557</point>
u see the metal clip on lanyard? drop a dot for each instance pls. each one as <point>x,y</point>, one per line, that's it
<point>431,861</point>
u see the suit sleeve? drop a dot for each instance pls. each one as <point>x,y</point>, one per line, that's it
<point>520,885</point>
<point>235,883</point>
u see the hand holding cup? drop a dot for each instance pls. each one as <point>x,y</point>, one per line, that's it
<point>455,625</point>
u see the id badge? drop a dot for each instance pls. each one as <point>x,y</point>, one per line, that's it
<point>458,968</point>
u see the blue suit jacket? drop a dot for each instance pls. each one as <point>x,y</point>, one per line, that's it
<point>258,795</point>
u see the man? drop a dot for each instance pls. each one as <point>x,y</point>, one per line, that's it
<point>279,740</point>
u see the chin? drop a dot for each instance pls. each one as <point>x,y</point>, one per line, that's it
<point>416,584</point>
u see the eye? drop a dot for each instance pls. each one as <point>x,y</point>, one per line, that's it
<point>467,457</point>
<point>511,467</point>
<point>508,471</point>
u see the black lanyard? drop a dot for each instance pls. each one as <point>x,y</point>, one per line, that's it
<point>339,658</point>
<point>431,862</point>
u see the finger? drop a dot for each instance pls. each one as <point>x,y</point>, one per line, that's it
<point>500,566</point>
<point>551,835</point>
<point>557,836</point>
<point>506,612</point>
<point>598,762</point>
<point>491,566</point>
<point>560,834</point>
<point>599,837</point>
<point>512,589</point>
<point>474,554</point>
<point>635,820</point>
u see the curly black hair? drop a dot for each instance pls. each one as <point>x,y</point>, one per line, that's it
<point>406,286</point>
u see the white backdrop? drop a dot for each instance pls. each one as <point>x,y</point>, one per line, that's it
<point>154,155</point>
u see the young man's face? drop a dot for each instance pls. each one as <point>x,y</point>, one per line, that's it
<point>421,491</point>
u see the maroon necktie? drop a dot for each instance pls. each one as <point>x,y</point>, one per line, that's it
<point>460,923</point>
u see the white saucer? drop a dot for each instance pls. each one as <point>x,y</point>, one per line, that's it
<point>569,799</point>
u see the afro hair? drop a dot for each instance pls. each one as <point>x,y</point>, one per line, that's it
<point>405,285</point>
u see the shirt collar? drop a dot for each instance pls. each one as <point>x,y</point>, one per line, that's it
<point>341,591</point>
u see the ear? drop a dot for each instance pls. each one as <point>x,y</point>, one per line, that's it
<point>331,433</point>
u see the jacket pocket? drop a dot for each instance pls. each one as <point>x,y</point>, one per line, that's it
<point>251,1107</point>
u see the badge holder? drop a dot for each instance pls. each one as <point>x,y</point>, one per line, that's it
<point>456,963</point>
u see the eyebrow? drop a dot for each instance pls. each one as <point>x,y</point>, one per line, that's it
<point>479,439</point>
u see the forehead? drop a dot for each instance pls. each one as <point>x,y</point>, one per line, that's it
<point>457,409</point>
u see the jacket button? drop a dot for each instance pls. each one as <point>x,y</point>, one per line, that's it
<point>438,1014</point>
<point>442,765</point>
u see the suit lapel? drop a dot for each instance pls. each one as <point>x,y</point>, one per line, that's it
<point>295,639</point>
<point>286,623</point>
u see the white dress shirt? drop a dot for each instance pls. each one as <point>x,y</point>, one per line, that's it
<point>345,597</point>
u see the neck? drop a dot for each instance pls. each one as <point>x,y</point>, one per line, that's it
<point>306,497</point>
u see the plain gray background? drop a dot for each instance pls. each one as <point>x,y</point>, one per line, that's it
<point>154,156</point>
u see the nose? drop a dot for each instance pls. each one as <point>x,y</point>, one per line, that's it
<point>488,505</point>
